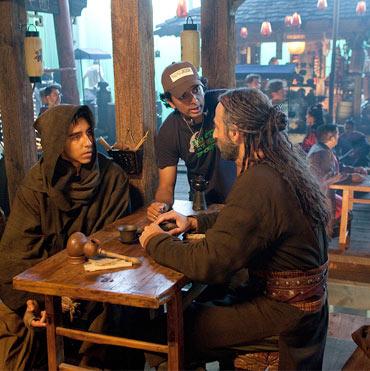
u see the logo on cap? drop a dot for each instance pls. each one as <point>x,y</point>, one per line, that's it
<point>181,73</point>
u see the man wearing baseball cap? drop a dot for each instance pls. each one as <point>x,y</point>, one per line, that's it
<point>187,133</point>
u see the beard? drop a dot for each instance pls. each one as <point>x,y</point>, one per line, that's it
<point>229,151</point>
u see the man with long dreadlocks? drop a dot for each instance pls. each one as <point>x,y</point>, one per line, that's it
<point>273,223</point>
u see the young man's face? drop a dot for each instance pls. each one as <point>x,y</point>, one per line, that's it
<point>54,98</point>
<point>79,146</point>
<point>228,149</point>
<point>191,104</point>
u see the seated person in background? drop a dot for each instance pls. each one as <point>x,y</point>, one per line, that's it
<point>50,97</point>
<point>71,188</point>
<point>353,147</point>
<point>187,134</point>
<point>273,61</point>
<point>325,165</point>
<point>273,223</point>
<point>276,90</point>
<point>314,119</point>
<point>253,81</point>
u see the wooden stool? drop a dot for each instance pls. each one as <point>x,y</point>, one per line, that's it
<point>258,356</point>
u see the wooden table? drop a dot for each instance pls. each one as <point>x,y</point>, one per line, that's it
<point>348,189</point>
<point>148,285</point>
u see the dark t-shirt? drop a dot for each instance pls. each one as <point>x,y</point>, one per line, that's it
<point>195,145</point>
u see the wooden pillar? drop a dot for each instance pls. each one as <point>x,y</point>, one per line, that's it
<point>133,57</point>
<point>15,95</point>
<point>67,65</point>
<point>218,42</point>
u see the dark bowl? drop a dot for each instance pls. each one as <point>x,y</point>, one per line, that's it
<point>128,233</point>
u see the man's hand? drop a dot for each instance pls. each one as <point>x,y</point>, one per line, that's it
<point>155,209</point>
<point>150,231</point>
<point>183,222</point>
<point>40,322</point>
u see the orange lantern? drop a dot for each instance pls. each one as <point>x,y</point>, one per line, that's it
<point>322,4</point>
<point>296,20</point>
<point>288,20</point>
<point>266,29</point>
<point>361,7</point>
<point>182,9</point>
<point>244,32</point>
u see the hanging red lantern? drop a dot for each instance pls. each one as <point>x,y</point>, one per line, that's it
<point>288,20</point>
<point>266,29</point>
<point>182,9</point>
<point>244,32</point>
<point>296,20</point>
<point>322,4</point>
<point>361,7</point>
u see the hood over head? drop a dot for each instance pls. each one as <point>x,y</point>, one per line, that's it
<point>56,176</point>
<point>53,126</point>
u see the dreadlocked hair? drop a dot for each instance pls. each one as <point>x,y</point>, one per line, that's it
<point>265,137</point>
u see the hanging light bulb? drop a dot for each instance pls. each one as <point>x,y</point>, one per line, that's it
<point>322,4</point>
<point>33,55</point>
<point>266,29</point>
<point>244,32</point>
<point>288,20</point>
<point>296,20</point>
<point>361,7</point>
<point>182,9</point>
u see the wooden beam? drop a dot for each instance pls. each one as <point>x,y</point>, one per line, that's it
<point>218,42</point>
<point>67,65</point>
<point>15,95</point>
<point>133,56</point>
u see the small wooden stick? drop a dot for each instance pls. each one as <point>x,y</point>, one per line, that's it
<point>91,248</point>
<point>110,254</point>
<point>142,140</point>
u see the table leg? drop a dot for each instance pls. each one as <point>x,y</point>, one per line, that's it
<point>175,333</point>
<point>344,217</point>
<point>55,343</point>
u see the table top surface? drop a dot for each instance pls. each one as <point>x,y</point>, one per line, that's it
<point>364,186</point>
<point>147,285</point>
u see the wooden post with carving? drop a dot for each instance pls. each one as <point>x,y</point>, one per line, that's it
<point>15,95</point>
<point>218,42</point>
<point>67,65</point>
<point>133,56</point>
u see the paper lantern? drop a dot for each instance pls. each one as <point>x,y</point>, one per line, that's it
<point>266,29</point>
<point>296,20</point>
<point>322,4</point>
<point>182,9</point>
<point>296,47</point>
<point>361,7</point>
<point>288,20</point>
<point>33,55</point>
<point>190,43</point>
<point>244,32</point>
<point>296,43</point>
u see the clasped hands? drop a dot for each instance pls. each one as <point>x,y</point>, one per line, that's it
<point>183,224</point>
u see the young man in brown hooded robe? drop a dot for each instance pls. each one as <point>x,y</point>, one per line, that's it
<point>71,188</point>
